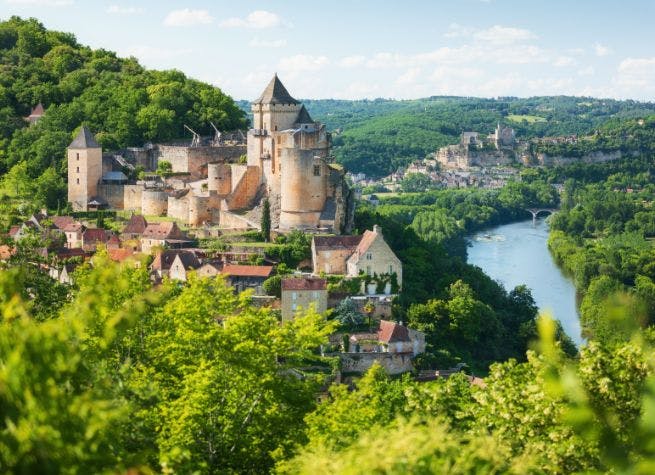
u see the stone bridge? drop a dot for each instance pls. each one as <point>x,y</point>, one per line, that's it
<point>537,211</point>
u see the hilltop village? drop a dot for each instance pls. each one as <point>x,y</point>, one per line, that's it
<point>200,209</point>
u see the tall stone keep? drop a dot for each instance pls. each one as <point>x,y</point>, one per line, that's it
<point>84,169</point>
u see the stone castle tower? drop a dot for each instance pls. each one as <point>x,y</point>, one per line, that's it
<point>291,150</point>
<point>84,169</point>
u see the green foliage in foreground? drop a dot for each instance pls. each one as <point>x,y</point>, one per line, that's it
<point>178,379</point>
<point>547,415</point>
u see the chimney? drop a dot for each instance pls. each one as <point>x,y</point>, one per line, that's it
<point>377,229</point>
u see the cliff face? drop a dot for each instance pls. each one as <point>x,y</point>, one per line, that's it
<point>593,157</point>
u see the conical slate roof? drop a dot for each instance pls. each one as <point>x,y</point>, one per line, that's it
<point>275,93</point>
<point>304,117</point>
<point>84,139</point>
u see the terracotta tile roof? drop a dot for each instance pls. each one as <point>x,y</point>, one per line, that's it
<point>6,252</point>
<point>38,111</point>
<point>95,235</point>
<point>336,242</point>
<point>390,332</point>
<point>136,225</point>
<point>247,271</point>
<point>119,255</point>
<point>73,227</point>
<point>367,239</point>
<point>14,230</point>
<point>164,230</point>
<point>62,222</point>
<point>303,283</point>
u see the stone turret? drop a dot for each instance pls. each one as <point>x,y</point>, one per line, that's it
<point>84,169</point>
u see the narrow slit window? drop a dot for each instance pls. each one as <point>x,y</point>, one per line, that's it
<point>317,170</point>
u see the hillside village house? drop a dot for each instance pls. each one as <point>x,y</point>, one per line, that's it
<point>166,234</point>
<point>351,255</point>
<point>301,293</point>
<point>242,277</point>
<point>175,264</point>
<point>134,227</point>
<point>91,237</point>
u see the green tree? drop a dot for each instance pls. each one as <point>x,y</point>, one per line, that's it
<point>266,220</point>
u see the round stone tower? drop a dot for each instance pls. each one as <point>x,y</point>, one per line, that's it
<point>303,188</point>
<point>219,178</point>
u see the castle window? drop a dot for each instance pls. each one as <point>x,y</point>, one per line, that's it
<point>77,181</point>
<point>390,269</point>
<point>77,155</point>
<point>279,168</point>
<point>78,169</point>
<point>369,256</point>
<point>317,170</point>
<point>276,127</point>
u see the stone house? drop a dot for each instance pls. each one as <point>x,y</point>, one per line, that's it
<point>173,263</point>
<point>330,253</point>
<point>73,232</point>
<point>373,256</point>
<point>161,235</point>
<point>301,293</point>
<point>134,227</point>
<point>242,277</point>
<point>209,270</point>
<point>91,237</point>
<point>352,255</point>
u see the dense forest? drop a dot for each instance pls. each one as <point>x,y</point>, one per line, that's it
<point>123,103</point>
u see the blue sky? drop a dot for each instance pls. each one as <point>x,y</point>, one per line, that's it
<point>374,48</point>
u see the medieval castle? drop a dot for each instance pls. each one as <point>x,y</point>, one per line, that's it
<point>287,160</point>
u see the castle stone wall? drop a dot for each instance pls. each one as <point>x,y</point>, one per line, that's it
<point>393,363</point>
<point>193,159</point>
<point>178,208</point>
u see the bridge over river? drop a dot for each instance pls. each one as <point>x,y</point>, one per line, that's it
<point>537,211</point>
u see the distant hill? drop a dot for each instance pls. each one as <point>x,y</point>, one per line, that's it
<point>378,136</point>
<point>121,101</point>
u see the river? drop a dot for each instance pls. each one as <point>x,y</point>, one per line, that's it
<point>517,253</point>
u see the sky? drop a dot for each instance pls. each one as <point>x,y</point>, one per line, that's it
<point>377,48</point>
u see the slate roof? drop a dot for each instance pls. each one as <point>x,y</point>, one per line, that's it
<point>136,225</point>
<point>303,283</point>
<point>84,139</point>
<point>275,93</point>
<point>247,271</point>
<point>391,332</point>
<point>326,243</point>
<point>164,260</point>
<point>114,176</point>
<point>304,117</point>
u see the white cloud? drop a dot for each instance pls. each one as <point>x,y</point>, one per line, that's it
<point>408,77</point>
<point>351,61</point>
<point>154,53</point>
<point>445,73</point>
<point>576,51</point>
<point>302,63</point>
<point>42,3</point>
<point>259,20</point>
<point>187,17</point>
<point>637,72</point>
<point>601,50</point>
<point>259,43</point>
<point>563,61</point>
<point>120,10</point>
<point>498,34</point>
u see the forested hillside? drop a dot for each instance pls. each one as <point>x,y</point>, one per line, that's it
<point>122,102</point>
<point>378,136</point>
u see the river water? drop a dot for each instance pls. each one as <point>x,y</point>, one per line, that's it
<point>517,253</point>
